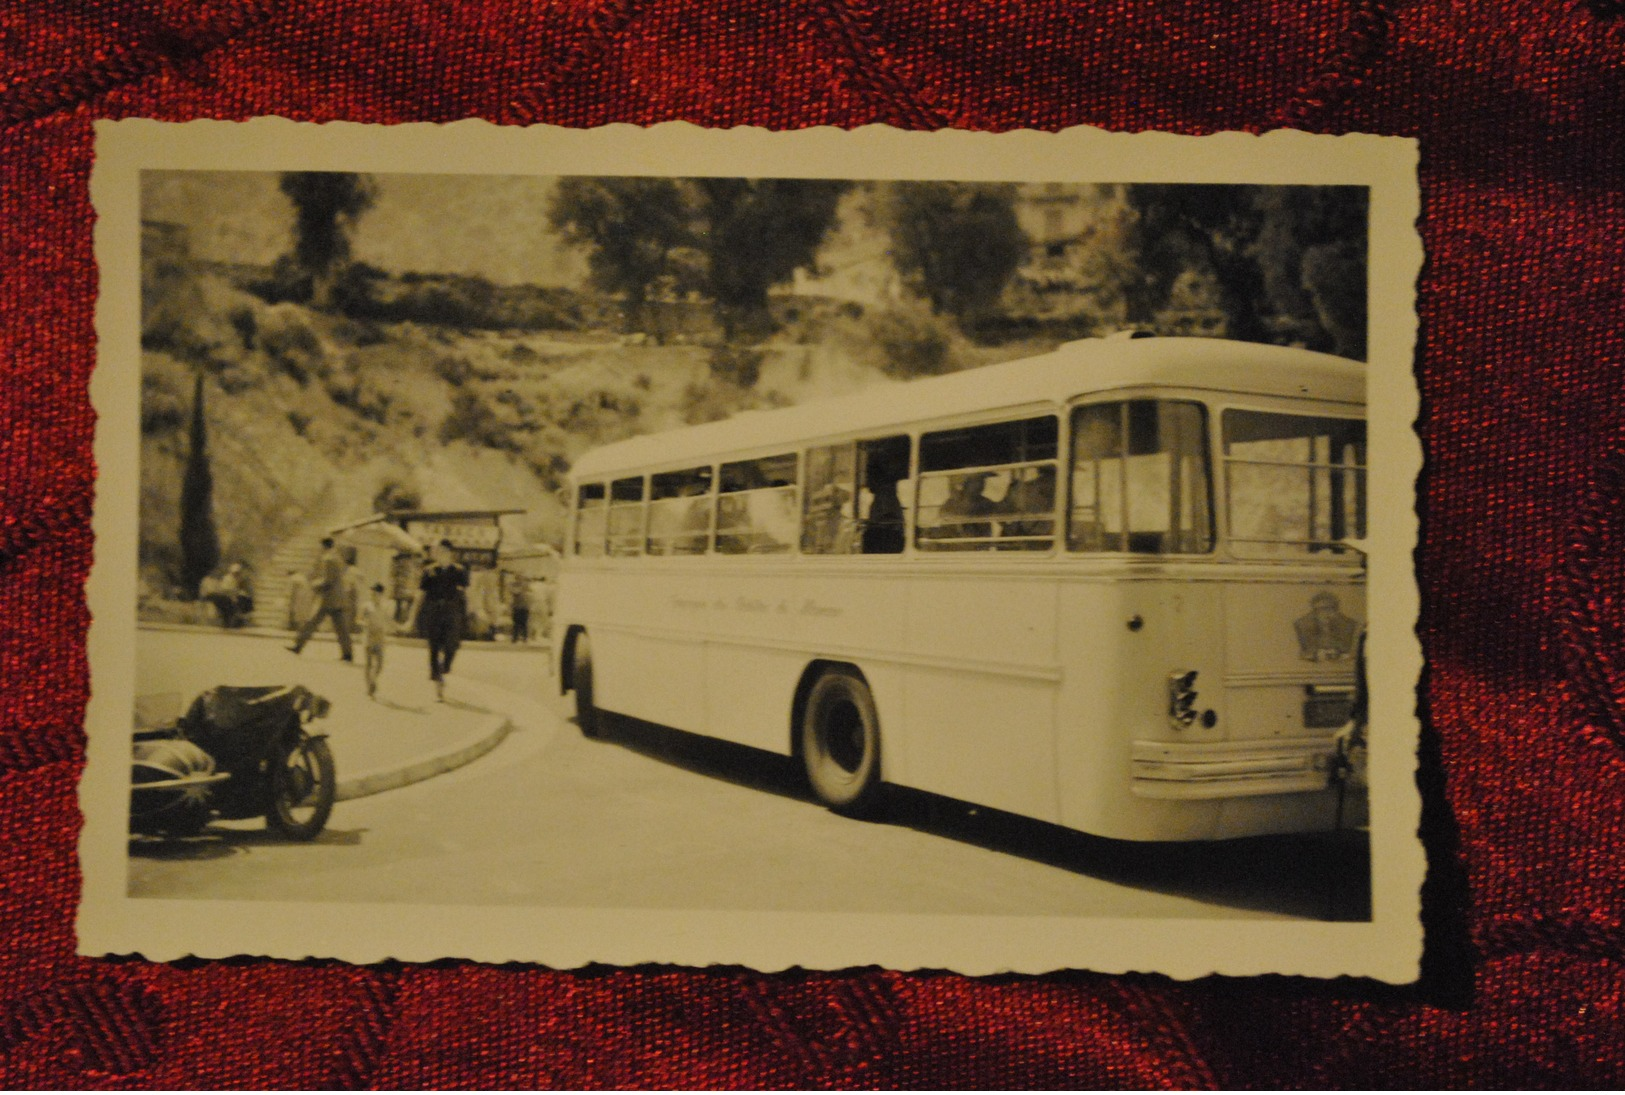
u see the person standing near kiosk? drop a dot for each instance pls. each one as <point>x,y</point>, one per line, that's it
<point>439,611</point>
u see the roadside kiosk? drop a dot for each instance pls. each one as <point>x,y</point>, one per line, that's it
<point>391,547</point>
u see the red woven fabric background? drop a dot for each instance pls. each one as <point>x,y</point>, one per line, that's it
<point>1520,108</point>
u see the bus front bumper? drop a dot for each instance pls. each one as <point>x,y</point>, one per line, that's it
<point>1196,770</point>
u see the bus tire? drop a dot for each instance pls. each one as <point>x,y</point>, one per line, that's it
<point>588,717</point>
<point>840,743</point>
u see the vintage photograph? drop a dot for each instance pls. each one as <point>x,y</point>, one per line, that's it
<point>817,549</point>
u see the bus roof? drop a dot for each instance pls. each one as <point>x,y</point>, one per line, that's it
<point>1077,368</point>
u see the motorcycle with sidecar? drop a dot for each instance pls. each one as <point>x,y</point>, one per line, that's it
<point>237,752</point>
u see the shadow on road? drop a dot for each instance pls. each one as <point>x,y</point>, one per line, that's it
<point>218,842</point>
<point>1322,876</point>
<point>406,707</point>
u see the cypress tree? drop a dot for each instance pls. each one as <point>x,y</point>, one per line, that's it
<point>200,543</point>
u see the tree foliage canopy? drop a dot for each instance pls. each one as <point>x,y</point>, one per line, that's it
<point>730,240</point>
<point>632,230</point>
<point>757,234</point>
<point>1292,253</point>
<point>955,244</point>
<point>326,206</point>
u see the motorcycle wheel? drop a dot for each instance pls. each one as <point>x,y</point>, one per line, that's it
<point>303,786</point>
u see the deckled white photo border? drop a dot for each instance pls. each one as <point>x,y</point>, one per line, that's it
<point>1388,947</point>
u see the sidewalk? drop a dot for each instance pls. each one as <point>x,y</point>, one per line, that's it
<point>399,737</point>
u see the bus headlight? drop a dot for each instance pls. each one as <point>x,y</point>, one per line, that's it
<point>1182,699</point>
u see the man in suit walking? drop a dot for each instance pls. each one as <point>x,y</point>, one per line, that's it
<point>328,584</point>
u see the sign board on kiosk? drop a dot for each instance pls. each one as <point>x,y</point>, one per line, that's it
<point>475,535</point>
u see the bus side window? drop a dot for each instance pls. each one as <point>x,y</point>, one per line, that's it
<point>679,512</point>
<point>626,516</point>
<point>592,519</point>
<point>991,487</point>
<point>1295,483</point>
<point>1027,510</point>
<point>756,506</point>
<point>829,521</point>
<point>855,498</point>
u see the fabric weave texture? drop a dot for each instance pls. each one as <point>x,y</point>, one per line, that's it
<point>1521,363</point>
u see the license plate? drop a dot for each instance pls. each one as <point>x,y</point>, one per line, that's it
<point>1327,712</point>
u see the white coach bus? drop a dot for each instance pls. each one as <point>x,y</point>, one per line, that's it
<point>1108,587</point>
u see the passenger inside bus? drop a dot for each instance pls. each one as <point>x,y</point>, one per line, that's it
<point>884,464</point>
<point>827,526</point>
<point>1030,501</point>
<point>883,528</point>
<point>958,517</point>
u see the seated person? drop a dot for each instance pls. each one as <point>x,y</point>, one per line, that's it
<point>231,595</point>
<point>1031,503</point>
<point>957,518</point>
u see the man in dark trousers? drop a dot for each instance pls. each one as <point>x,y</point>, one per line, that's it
<point>327,582</point>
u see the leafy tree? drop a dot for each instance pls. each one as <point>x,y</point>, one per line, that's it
<point>326,206</point>
<point>1313,252</point>
<point>956,244</point>
<point>199,541</point>
<point>757,234</point>
<point>1291,255</point>
<point>731,240</point>
<point>634,231</point>
<point>1335,276</point>
<point>1210,227</point>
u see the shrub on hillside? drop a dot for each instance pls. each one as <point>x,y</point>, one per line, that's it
<point>911,342</point>
<point>290,343</point>
<point>396,493</point>
<point>740,366</point>
<point>590,407</point>
<point>362,390</point>
<point>365,292</point>
<point>544,422</point>
<point>203,321</point>
<point>453,369</point>
<point>481,421</point>
<point>166,399</point>
<point>1000,329</point>
<point>713,400</point>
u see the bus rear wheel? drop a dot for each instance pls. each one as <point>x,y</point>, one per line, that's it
<point>588,717</point>
<point>840,743</point>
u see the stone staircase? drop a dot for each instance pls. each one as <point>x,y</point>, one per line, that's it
<point>296,555</point>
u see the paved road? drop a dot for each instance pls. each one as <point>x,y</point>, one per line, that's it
<point>646,817</point>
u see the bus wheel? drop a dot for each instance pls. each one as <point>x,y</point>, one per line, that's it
<point>840,743</point>
<point>587,715</point>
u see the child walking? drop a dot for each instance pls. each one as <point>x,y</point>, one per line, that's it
<point>377,620</point>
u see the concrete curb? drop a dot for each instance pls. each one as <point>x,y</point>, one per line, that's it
<point>388,779</point>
